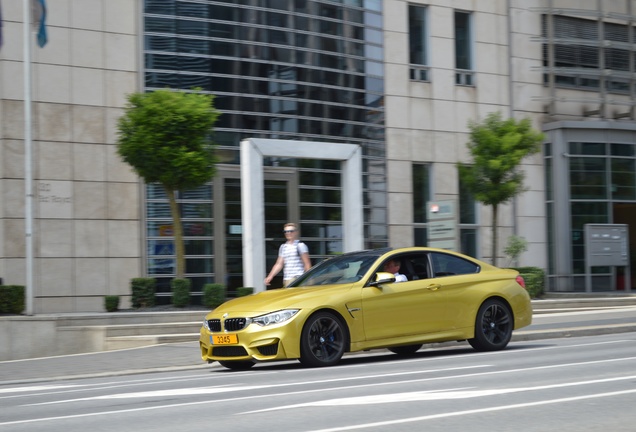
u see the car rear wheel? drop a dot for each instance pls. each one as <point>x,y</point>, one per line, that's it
<point>236,365</point>
<point>405,350</point>
<point>323,340</point>
<point>493,326</point>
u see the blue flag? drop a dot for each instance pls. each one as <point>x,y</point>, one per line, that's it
<point>39,18</point>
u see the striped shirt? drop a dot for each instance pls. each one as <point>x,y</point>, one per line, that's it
<point>292,263</point>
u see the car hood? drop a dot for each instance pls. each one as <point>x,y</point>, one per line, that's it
<point>284,298</point>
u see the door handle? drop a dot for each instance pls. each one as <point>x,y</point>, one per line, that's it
<point>433,287</point>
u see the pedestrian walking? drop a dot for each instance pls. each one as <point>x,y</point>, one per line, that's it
<point>293,257</point>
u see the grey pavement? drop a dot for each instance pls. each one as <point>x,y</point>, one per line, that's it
<point>185,355</point>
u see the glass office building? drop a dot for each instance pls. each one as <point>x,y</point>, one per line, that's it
<point>301,70</point>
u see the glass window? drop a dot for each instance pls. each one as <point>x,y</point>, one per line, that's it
<point>451,265</point>
<point>588,178</point>
<point>587,55</point>
<point>623,179</point>
<point>467,205</point>
<point>468,241</point>
<point>587,148</point>
<point>417,35</point>
<point>463,36</point>
<point>584,213</point>
<point>421,192</point>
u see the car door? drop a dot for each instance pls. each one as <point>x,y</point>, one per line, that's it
<point>405,308</point>
<point>458,280</point>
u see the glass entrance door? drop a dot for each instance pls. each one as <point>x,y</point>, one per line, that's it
<point>281,206</point>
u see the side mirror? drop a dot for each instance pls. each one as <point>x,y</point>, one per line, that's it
<point>383,278</point>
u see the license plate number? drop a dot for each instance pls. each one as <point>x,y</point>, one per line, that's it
<point>224,339</point>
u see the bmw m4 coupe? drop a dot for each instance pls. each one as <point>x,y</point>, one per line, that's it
<point>351,303</point>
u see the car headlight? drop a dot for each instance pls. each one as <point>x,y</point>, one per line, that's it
<point>274,317</point>
<point>205,325</point>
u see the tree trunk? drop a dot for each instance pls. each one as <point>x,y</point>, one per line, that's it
<point>494,234</point>
<point>177,232</point>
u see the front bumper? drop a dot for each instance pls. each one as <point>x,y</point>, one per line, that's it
<point>254,343</point>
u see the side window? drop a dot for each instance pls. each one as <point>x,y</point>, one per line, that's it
<point>450,265</point>
<point>415,266</point>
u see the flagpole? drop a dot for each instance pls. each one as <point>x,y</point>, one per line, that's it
<point>28,180</point>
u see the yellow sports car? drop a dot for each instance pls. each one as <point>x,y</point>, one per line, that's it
<point>352,303</point>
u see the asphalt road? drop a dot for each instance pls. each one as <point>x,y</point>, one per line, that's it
<point>566,384</point>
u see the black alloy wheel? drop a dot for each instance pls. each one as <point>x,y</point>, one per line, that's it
<point>493,326</point>
<point>323,340</point>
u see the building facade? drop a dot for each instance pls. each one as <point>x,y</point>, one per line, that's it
<point>400,79</point>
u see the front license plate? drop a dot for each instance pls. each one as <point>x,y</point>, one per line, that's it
<point>224,339</point>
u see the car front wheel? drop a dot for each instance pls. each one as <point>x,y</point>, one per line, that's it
<point>493,326</point>
<point>323,340</point>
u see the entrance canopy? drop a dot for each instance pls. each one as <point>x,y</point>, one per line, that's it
<point>253,150</point>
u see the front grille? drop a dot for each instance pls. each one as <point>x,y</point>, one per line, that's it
<point>215,325</point>
<point>234,324</point>
<point>268,350</point>
<point>229,351</point>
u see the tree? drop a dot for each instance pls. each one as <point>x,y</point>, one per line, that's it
<point>165,136</point>
<point>497,147</point>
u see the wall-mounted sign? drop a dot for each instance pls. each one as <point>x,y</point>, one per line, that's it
<point>442,224</point>
<point>55,199</point>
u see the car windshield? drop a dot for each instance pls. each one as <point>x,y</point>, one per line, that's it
<point>342,269</point>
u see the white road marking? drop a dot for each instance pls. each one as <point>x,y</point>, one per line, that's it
<point>213,390</point>
<point>433,395</point>
<point>37,388</point>
<point>573,312</point>
<point>475,411</point>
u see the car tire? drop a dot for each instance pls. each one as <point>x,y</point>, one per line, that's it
<point>406,350</point>
<point>323,340</point>
<point>493,326</point>
<point>236,365</point>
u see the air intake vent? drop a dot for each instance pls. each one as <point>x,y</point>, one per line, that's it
<point>215,325</point>
<point>234,324</point>
<point>229,351</point>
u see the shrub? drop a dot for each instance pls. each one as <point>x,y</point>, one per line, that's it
<point>244,291</point>
<point>12,299</point>
<point>535,280</point>
<point>111,303</point>
<point>516,246</point>
<point>213,295</point>
<point>143,292</point>
<point>180,292</point>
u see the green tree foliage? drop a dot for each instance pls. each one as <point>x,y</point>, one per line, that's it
<point>497,147</point>
<point>165,137</point>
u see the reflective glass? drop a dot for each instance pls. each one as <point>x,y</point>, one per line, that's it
<point>159,229</point>
<point>197,229</point>
<point>305,70</point>
<point>198,247</point>
<point>155,191</point>
<point>628,150</point>
<point>417,35</point>
<point>158,210</point>
<point>199,265</point>
<point>588,178</point>
<point>624,179</point>
<point>590,149</point>
<point>421,192</point>
<point>160,25</point>
<point>159,7</point>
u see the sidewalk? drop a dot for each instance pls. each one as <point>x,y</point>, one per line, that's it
<point>185,355</point>
<point>156,358</point>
